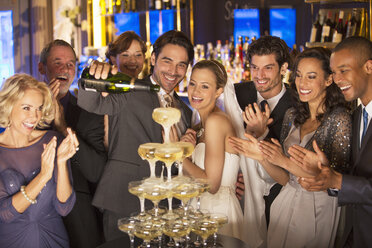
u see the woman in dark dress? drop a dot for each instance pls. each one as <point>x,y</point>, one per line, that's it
<point>35,180</point>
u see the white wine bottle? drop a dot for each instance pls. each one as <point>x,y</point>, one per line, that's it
<point>118,83</point>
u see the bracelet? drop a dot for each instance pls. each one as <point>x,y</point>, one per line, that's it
<point>26,196</point>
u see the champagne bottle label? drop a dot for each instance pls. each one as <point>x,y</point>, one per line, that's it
<point>337,37</point>
<point>326,30</point>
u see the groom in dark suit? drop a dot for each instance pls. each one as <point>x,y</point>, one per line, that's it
<point>131,125</point>
<point>269,59</point>
<point>83,223</point>
<point>351,63</point>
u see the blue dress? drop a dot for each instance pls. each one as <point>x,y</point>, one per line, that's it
<point>41,224</point>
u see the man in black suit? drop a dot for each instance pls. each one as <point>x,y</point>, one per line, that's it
<point>57,64</point>
<point>131,125</point>
<point>351,63</point>
<point>269,59</point>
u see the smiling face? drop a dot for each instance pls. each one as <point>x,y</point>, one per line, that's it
<point>310,81</point>
<point>266,75</point>
<point>202,89</point>
<point>26,112</point>
<point>130,61</point>
<point>170,66</point>
<point>60,64</point>
<point>351,76</point>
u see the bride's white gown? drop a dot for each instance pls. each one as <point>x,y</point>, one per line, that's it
<point>224,201</point>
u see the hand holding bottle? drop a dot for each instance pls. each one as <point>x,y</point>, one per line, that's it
<point>101,70</point>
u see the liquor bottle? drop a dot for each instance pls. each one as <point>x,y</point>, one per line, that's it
<point>133,5</point>
<point>352,25</point>
<point>326,29</point>
<point>174,4</point>
<point>316,30</point>
<point>151,4</point>
<point>232,50</point>
<point>218,55</point>
<point>339,29</point>
<point>118,83</point>
<point>126,7</point>
<point>167,4</point>
<point>183,4</point>
<point>117,6</point>
<point>158,4</point>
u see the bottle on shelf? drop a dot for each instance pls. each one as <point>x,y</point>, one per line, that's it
<point>232,50</point>
<point>151,4</point>
<point>316,30</point>
<point>117,6</point>
<point>339,29</point>
<point>218,55</point>
<point>126,6</point>
<point>352,25</point>
<point>133,5</point>
<point>326,29</point>
<point>174,4</point>
<point>158,4</point>
<point>183,3</point>
<point>118,83</point>
<point>167,4</point>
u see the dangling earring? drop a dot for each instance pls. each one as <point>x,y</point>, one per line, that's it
<point>9,124</point>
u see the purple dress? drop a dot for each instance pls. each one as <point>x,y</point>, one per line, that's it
<point>41,224</point>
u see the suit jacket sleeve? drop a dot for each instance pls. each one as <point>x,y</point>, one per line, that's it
<point>355,190</point>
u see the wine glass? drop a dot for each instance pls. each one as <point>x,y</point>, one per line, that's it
<point>127,225</point>
<point>166,117</point>
<point>147,230</point>
<point>155,193</point>
<point>203,186</point>
<point>177,229</point>
<point>137,188</point>
<point>146,152</point>
<point>185,192</point>
<point>168,154</point>
<point>220,219</point>
<point>187,149</point>
<point>204,227</point>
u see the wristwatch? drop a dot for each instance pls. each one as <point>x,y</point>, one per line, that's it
<point>332,192</point>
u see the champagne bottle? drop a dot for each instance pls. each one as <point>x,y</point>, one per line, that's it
<point>338,33</point>
<point>118,83</point>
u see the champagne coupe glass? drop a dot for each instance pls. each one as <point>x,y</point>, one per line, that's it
<point>220,219</point>
<point>177,229</point>
<point>166,117</point>
<point>137,188</point>
<point>155,193</point>
<point>147,231</point>
<point>170,186</point>
<point>185,192</point>
<point>203,186</point>
<point>187,149</point>
<point>168,154</point>
<point>127,225</point>
<point>204,227</point>
<point>195,216</point>
<point>146,152</point>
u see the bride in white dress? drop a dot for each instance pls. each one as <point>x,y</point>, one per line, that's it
<point>213,157</point>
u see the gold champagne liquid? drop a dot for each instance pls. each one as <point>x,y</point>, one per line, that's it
<point>204,230</point>
<point>187,148</point>
<point>166,116</point>
<point>127,228</point>
<point>168,155</point>
<point>147,233</point>
<point>221,221</point>
<point>176,232</point>
<point>156,195</point>
<point>137,191</point>
<point>147,150</point>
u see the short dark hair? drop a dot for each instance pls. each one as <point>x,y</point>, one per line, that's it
<point>333,98</point>
<point>122,43</point>
<point>46,50</point>
<point>216,68</point>
<point>360,46</point>
<point>267,45</point>
<point>176,38</point>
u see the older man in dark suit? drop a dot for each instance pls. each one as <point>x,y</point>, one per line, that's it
<point>351,63</point>
<point>132,125</point>
<point>83,223</point>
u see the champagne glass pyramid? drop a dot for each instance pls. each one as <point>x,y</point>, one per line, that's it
<point>166,117</point>
<point>187,149</point>
<point>127,225</point>
<point>137,188</point>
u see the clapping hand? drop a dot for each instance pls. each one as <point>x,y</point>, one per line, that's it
<point>273,152</point>
<point>68,147</point>
<point>47,158</point>
<point>256,120</point>
<point>306,159</point>
<point>249,147</point>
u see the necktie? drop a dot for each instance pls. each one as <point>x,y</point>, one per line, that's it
<point>365,122</point>
<point>262,105</point>
<point>168,100</point>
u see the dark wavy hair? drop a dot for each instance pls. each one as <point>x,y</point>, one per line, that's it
<point>334,97</point>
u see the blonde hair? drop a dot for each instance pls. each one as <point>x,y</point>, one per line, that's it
<point>14,89</point>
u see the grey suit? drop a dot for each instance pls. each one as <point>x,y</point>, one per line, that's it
<point>131,124</point>
<point>356,189</point>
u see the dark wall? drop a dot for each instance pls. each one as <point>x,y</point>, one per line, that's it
<point>214,18</point>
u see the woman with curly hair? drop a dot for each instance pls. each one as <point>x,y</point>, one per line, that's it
<point>35,179</point>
